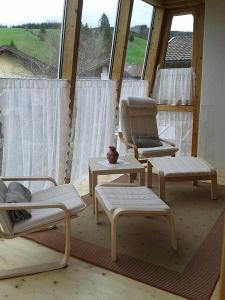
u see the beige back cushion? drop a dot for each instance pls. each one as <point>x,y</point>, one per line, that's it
<point>5,221</point>
<point>138,121</point>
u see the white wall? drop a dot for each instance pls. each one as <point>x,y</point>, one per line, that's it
<point>212,113</point>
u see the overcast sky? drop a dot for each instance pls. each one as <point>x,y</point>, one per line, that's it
<point>14,12</point>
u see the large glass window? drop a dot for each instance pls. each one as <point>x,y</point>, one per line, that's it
<point>138,36</point>
<point>179,49</point>
<point>174,85</point>
<point>30,32</point>
<point>98,22</point>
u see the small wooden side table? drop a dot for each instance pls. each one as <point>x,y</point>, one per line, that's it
<point>95,168</point>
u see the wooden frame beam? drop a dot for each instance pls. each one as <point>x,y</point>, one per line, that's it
<point>222,269</point>
<point>155,3</point>
<point>151,65</point>
<point>173,3</point>
<point>158,51</point>
<point>71,44</point>
<point>178,108</point>
<point>198,36</point>
<point>181,3</point>
<point>73,14</point>
<point>120,47</point>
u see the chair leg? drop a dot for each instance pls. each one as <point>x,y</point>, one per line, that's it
<point>162,192</point>
<point>132,177</point>
<point>96,210</point>
<point>45,267</point>
<point>93,184</point>
<point>195,182</point>
<point>214,186</point>
<point>172,232</point>
<point>90,182</point>
<point>113,239</point>
<point>149,174</point>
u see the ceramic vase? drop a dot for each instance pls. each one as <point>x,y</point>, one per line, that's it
<point>112,155</point>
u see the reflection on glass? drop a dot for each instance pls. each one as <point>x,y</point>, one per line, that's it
<point>137,42</point>
<point>30,38</point>
<point>98,21</point>
<point>179,49</point>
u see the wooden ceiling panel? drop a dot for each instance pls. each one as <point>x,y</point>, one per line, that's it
<point>174,3</point>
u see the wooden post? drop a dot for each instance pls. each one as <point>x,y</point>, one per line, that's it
<point>158,49</point>
<point>123,28</point>
<point>151,65</point>
<point>159,45</point>
<point>198,36</point>
<point>222,270</point>
<point>70,48</point>
<point>71,45</point>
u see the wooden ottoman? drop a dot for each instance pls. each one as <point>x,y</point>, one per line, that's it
<point>130,200</point>
<point>186,168</point>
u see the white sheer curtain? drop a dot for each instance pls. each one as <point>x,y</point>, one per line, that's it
<point>35,118</point>
<point>95,112</point>
<point>174,86</point>
<point>132,88</point>
<point>177,127</point>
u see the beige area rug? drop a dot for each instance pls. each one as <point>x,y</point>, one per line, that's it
<point>144,247</point>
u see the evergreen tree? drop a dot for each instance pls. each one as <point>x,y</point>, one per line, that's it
<point>106,34</point>
<point>12,44</point>
<point>104,22</point>
<point>131,38</point>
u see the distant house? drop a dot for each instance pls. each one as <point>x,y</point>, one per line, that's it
<point>99,70</point>
<point>133,71</point>
<point>178,55</point>
<point>15,63</point>
<point>179,52</point>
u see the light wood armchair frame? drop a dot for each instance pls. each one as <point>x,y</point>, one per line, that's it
<point>38,268</point>
<point>135,148</point>
<point>139,119</point>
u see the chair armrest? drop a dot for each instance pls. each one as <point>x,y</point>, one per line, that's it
<point>37,205</point>
<point>168,142</point>
<point>28,178</point>
<point>119,184</point>
<point>34,205</point>
<point>123,140</point>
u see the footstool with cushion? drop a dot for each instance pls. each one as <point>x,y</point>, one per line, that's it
<point>130,200</point>
<point>183,168</point>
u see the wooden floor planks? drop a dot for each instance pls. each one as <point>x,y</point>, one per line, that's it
<point>80,281</point>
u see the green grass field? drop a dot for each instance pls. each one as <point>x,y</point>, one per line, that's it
<point>136,51</point>
<point>28,42</point>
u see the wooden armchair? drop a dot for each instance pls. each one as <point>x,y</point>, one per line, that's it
<point>48,208</point>
<point>138,117</point>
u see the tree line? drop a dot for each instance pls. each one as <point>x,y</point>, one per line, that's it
<point>44,25</point>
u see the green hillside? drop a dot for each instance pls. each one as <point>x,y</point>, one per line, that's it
<point>45,46</point>
<point>136,51</point>
<point>28,41</point>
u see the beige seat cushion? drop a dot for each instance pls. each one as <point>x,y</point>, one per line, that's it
<point>130,198</point>
<point>65,194</point>
<point>163,150</point>
<point>181,166</point>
